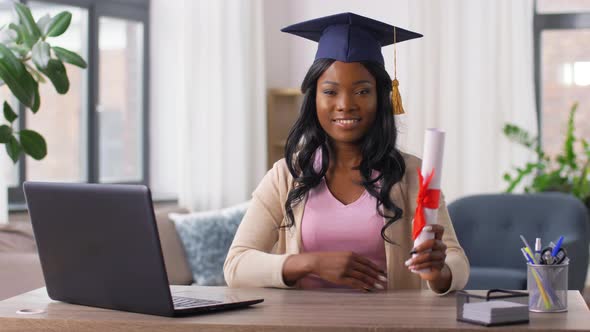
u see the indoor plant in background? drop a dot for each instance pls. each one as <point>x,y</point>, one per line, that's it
<point>567,172</point>
<point>27,60</point>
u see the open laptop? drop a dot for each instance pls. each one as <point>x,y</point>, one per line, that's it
<point>99,246</point>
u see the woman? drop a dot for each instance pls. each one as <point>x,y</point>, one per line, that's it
<point>337,211</point>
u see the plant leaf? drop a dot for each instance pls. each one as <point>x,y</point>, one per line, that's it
<point>5,133</point>
<point>33,144</point>
<point>9,114</point>
<point>35,73</point>
<point>27,39</point>
<point>13,149</point>
<point>26,19</point>
<point>69,57</point>
<point>11,60</point>
<point>41,54</point>
<point>21,49</point>
<point>19,81</point>
<point>36,100</point>
<point>56,72</point>
<point>518,135</point>
<point>43,22</point>
<point>521,174</point>
<point>58,25</point>
<point>586,147</point>
<point>19,32</point>
<point>569,157</point>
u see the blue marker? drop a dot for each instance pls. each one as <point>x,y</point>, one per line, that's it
<point>557,246</point>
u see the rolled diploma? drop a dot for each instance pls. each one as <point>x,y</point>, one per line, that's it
<point>432,158</point>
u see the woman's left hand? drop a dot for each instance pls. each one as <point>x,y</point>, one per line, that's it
<point>430,255</point>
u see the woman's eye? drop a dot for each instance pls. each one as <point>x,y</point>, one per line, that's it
<point>329,92</point>
<point>363,92</point>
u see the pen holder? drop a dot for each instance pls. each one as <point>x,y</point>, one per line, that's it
<point>547,286</point>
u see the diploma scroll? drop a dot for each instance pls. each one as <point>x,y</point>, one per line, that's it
<point>429,193</point>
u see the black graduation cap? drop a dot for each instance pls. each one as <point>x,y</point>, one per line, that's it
<point>349,37</point>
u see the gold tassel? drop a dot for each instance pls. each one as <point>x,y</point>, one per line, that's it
<point>396,98</point>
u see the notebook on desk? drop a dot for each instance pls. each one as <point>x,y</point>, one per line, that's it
<point>99,246</point>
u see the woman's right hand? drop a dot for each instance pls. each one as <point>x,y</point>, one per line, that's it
<point>341,268</point>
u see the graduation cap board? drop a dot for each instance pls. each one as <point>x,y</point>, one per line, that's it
<point>349,37</point>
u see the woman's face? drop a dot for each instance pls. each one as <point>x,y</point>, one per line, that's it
<point>346,101</point>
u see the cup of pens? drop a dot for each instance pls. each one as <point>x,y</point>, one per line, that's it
<point>547,277</point>
<point>547,286</point>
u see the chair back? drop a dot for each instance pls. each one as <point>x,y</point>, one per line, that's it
<point>488,229</point>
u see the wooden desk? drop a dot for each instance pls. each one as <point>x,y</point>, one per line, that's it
<point>283,310</point>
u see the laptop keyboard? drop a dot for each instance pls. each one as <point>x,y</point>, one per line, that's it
<point>188,302</point>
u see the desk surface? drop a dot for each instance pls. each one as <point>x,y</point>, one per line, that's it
<point>283,310</point>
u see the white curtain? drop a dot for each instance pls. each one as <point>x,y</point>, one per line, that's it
<point>470,74</point>
<point>221,121</point>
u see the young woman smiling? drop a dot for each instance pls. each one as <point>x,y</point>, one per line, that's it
<point>337,211</point>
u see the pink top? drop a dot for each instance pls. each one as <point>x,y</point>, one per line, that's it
<point>329,225</point>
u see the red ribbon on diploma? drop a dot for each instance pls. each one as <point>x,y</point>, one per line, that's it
<point>427,198</point>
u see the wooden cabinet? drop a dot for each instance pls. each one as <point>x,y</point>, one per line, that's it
<point>281,112</point>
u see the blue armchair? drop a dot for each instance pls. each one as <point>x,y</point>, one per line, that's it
<point>488,229</point>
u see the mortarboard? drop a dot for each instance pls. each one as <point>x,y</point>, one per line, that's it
<point>348,37</point>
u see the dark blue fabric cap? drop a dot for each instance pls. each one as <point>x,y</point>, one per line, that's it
<point>348,37</point>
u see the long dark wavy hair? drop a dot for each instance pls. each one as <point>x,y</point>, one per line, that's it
<point>378,146</point>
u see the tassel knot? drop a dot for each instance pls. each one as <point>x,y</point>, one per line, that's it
<point>396,98</point>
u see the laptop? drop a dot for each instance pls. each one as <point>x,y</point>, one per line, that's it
<point>99,246</point>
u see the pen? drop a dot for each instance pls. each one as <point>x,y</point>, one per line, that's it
<point>538,249</point>
<point>557,246</point>
<point>526,244</point>
<point>530,253</point>
<point>526,256</point>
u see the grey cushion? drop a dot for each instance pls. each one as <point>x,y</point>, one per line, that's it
<point>488,229</point>
<point>496,277</point>
<point>206,237</point>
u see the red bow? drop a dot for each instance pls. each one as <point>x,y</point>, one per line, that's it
<point>427,198</point>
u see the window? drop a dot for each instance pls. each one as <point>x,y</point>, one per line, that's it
<point>562,68</point>
<point>97,132</point>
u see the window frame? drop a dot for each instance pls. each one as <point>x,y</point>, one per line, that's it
<point>551,21</point>
<point>134,10</point>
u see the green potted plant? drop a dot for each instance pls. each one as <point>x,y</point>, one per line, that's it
<point>27,60</point>
<point>568,172</point>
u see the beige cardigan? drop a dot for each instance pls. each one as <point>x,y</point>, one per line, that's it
<point>260,247</point>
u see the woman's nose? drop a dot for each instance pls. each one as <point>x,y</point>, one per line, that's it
<point>345,102</point>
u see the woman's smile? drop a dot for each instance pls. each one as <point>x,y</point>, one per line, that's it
<point>347,123</point>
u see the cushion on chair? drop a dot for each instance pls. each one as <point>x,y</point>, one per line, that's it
<point>206,237</point>
<point>495,277</point>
